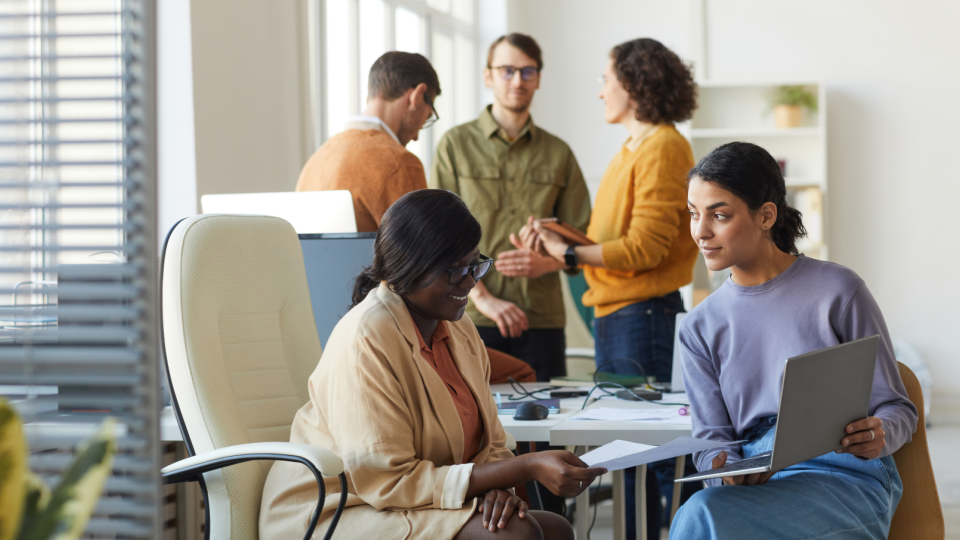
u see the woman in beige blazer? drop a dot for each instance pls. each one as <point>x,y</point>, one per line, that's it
<point>415,424</point>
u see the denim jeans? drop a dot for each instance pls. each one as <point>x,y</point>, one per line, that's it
<point>643,332</point>
<point>835,496</point>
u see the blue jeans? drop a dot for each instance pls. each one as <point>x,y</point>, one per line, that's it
<point>643,332</point>
<point>835,496</point>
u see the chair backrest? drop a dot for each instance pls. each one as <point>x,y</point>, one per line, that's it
<point>240,343</point>
<point>919,515</point>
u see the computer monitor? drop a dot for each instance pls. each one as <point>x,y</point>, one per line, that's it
<point>309,212</point>
<point>332,262</point>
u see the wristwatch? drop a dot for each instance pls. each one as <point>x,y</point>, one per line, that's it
<point>570,256</point>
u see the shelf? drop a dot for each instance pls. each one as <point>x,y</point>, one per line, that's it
<point>802,182</point>
<point>733,133</point>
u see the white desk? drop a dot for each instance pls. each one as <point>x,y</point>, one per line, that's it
<point>588,433</point>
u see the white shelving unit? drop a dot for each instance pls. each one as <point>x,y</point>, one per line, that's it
<point>739,111</point>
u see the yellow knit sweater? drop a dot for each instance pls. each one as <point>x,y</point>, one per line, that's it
<point>640,217</point>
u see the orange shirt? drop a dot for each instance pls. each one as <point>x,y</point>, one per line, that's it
<point>369,163</point>
<point>439,357</point>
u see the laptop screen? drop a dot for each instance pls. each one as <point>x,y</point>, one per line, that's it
<point>332,262</point>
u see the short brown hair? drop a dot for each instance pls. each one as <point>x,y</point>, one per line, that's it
<point>658,81</point>
<point>396,72</point>
<point>525,43</point>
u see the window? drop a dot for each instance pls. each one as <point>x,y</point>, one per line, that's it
<point>78,241</point>
<point>359,31</point>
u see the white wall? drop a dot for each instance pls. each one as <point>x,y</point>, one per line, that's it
<point>235,113</point>
<point>892,72</point>
<point>254,127</point>
<point>576,38</point>
<point>177,169</point>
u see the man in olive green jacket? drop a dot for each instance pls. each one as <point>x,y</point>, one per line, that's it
<point>505,168</point>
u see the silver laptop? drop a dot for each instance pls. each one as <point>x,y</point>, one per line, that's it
<point>822,393</point>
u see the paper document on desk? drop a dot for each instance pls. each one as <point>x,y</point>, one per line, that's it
<point>626,415</point>
<point>622,454</point>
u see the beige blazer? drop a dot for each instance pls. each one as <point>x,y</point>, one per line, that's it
<point>377,403</point>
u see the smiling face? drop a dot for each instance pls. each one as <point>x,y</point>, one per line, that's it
<point>617,105</point>
<point>515,94</point>
<point>441,301</point>
<point>725,229</point>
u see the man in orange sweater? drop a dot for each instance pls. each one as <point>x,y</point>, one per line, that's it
<point>369,157</point>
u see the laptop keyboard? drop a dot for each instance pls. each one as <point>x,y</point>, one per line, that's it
<point>759,460</point>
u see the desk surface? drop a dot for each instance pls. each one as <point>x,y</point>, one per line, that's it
<point>600,432</point>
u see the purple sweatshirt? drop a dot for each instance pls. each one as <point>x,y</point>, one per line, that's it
<point>734,345</point>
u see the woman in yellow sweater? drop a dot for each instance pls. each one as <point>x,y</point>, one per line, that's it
<point>643,252</point>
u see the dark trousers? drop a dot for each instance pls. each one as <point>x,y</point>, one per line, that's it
<point>643,332</point>
<point>543,348</point>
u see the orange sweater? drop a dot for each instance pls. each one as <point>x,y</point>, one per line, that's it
<point>369,163</point>
<point>640,217</point>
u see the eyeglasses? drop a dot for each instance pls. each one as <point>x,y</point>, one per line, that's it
<point>459,273</point>
<point>507,72</point>
<point>433,115</point>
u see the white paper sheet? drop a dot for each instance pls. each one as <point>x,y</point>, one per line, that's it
<point>625,457</point>
<point>609,413</point>
<point>613,450</point>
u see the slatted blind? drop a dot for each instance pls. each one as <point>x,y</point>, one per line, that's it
<point>78,254</point>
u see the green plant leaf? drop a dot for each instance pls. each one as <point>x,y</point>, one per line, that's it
<point>13,471</point>
<point>793,95</point>
<point>70,504</point>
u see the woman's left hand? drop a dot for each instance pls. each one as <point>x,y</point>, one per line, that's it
<point>497,507</point>
<point>866,438</point>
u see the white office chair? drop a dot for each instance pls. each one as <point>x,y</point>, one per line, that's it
<point>239,343</point>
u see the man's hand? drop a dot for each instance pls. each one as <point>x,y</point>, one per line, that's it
<point>497,507</point>
<point>754,479</point>
<point>510,319</point>
<point>522,262</point>
<point>866,438</point>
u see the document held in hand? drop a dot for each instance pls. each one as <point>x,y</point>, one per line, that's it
<point>622,454</point>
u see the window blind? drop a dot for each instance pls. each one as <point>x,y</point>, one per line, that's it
<point>78,254</point>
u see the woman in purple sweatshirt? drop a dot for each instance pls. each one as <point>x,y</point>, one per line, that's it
<point>778,304</point>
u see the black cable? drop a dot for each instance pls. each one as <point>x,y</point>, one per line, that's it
<point>522,392</point>
<point>595,505</point>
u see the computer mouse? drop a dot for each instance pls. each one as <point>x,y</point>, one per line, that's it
<point>530,410</point>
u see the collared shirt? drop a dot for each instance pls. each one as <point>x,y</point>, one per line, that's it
<point>438,356</point>
<point>502,182</point>
<point>361,121</point>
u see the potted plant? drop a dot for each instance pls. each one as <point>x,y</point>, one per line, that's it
<point>29,510</point>
<point>788,103</point>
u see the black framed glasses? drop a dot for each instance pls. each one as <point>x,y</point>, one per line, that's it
<point>526,73</point>
<point>433,115</point>
<point>459,273</point>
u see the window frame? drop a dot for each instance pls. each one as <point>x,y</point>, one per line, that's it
<point>434,20</point>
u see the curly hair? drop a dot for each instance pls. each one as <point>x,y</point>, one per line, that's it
<point>658,81</point>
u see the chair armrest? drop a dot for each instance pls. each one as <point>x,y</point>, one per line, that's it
<point>511,443</point>
<point>325,461</point>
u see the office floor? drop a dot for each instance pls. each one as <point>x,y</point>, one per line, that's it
<point>943,440</point>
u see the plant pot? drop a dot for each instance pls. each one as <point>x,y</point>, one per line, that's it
<point>787,116</point>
